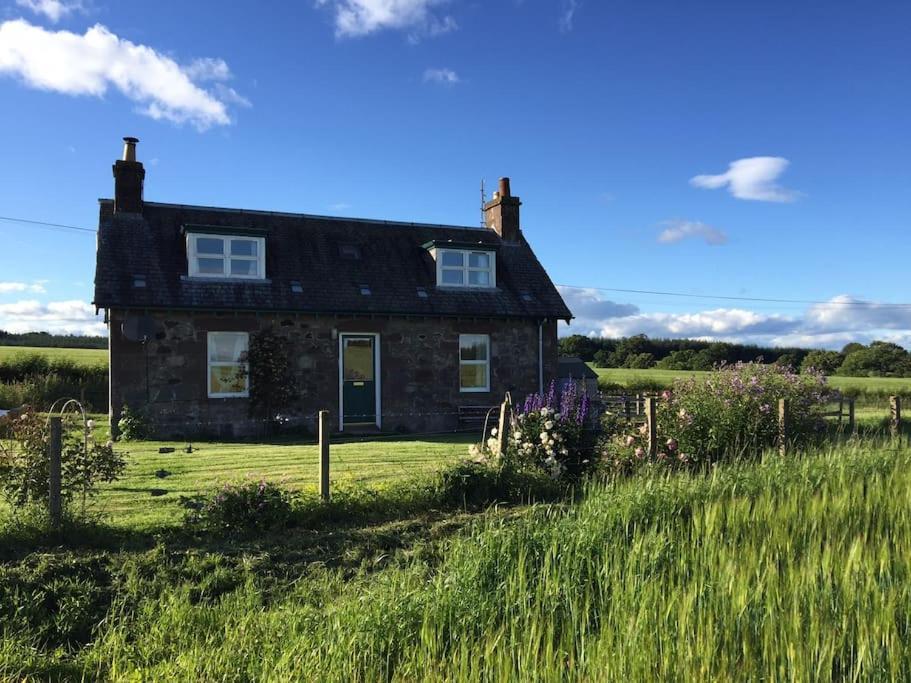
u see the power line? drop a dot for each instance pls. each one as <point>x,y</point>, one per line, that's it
<point>688,295</point>
<point>738,298</point>
<point>46,224</point>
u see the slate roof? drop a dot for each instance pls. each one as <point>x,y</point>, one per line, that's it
<point>306,249</point>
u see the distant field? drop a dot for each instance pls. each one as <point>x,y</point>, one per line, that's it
<point>666,377</point>
<point>81,356</point>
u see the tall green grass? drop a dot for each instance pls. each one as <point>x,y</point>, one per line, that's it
<point>39,379</point>
<point>792,569</point>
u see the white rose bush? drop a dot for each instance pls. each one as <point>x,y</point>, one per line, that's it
<point>547,432</point>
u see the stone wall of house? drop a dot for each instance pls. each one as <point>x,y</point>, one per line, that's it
<point>419,365</point>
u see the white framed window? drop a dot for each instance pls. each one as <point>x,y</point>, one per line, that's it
<point>464,268</point>
<point>226,256</point>
<point>474,362</point>
<point>227,366</point>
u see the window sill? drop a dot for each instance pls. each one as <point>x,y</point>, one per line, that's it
<point>474,391</point>
<point>232,280</point>
<point>221,396</point>
<point>468,288</point>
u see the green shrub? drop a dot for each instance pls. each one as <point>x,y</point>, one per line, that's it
<point>239,508</point>
<point>732,411</point>
<point>24,470</point>
<point>132,425</point>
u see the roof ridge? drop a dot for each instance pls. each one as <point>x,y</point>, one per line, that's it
<point>315,216</point>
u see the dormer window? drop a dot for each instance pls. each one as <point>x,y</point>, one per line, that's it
<point>464,268</point>
<point>226,256</point>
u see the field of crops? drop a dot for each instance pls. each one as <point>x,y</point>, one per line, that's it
<point>81,356</point>
<point>794,568</point>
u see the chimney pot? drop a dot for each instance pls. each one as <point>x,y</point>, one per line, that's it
<point>129,148</point>
<point>501,214</point>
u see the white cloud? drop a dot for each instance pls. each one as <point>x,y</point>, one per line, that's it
<point>8,287</point>
<point>714,324</point>
<point>208,69</point>
<point>63,317</point>
<point>355,18</point>
<point>568,15</point>
<point>443,76</point>
<point>678,230</point>
<point>850,313</point>
<point>751,178</point>
<point>833,324</point>
<point>89,64</point>
<point>54,10</point>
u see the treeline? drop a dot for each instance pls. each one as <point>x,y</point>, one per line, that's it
<point>48,340</point>
<point>878,359</point>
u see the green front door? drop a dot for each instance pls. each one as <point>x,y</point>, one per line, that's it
<point>359,379</point>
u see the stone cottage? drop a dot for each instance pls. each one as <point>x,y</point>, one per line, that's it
<point>390,326</point>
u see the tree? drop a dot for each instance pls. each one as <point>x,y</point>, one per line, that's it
<point>627,347</point>
<point>788,360</point>
<point>682,359</point>
<point>715,354</point>
<point>826,362</point>
<point>579,345</point>
<point>271,380</point>
<point>880,359</point>
<point>851,348</point>
<point>639,361</point>
<point>602,358</point>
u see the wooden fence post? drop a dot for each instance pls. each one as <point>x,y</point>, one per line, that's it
<point>55,506</point>
<point>627,409</point>
<point>782,426</point>
<point>651,421</point>
<point>851,415</point>
<point>324,455</point>
<point>895,420</point>
<point>502,428</point>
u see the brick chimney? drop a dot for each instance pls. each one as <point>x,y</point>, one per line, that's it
<point>129,176</point>
<point>501,214</point>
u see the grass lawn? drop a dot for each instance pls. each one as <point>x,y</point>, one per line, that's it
<point>130,502</point>
<point>142,501</point>
<point>80,356</point>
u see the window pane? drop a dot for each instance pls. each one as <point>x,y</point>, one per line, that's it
<point>243,247</point>
<point>227,347</point>
<point>479,260</point>
<point>479,277</point>
<point>210,245</point>
<point>243,267</point>
<point>473,376</point>
<point>473,348</point>
<point>453,258</point>
<point>452,277</point>
<point>227,379</point>
<point>358,361</point>
<point>211,266</point>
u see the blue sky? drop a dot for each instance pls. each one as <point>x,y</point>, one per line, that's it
<point>755,150</point>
